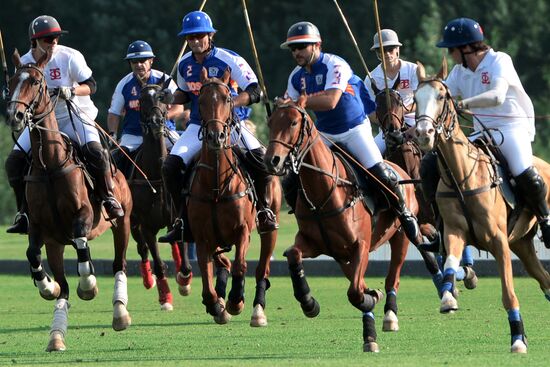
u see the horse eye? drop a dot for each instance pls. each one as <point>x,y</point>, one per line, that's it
<point>294,123</point>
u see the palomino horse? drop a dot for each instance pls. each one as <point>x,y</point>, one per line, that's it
<point>60,210</point>
<point>473,209</point>
<point>221,209</point>
<point>405,153</point>
<point>151,210</point>
<point>332,220</point>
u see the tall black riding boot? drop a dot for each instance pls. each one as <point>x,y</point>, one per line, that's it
<point>290,189</point>
<point>16,166</point>
<point>534,191</point>
<point>98,165</point>
<point>173,173</point>
<point>429,174</point>
<point>267,222</point>
<point>408,221</point>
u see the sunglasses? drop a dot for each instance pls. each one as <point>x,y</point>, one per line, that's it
<point>387,49</point>
<point>49,39</point>
<point>298,46</point>
<point>138,61</point>
<point>196,36</point>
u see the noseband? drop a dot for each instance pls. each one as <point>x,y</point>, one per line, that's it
<point>400,116</point>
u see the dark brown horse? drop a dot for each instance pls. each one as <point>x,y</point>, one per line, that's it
<point>332,220</point>
<point>151,210</point>
<point>474,209</point>
<point>60,209</point>
<point>221,207</point>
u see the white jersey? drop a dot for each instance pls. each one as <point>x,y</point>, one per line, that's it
<point>407,85</point>
<point>515,113</point>
<point>67,68</point>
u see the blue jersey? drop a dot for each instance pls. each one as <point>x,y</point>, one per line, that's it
<point>126,100</point>
<point>216,62</point>
<point>329,72</point>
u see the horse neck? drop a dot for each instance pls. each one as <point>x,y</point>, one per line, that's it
<point>153,153</point>
<point>220,167</point>
<point>49,149</point>
<point>457,154</point>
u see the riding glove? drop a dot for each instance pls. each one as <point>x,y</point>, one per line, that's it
<point>65,93</point>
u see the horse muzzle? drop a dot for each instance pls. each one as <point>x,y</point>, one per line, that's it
<point>275,163</point>
<point>16,120</point>
<point>216,140</point>
<point>425,135</point>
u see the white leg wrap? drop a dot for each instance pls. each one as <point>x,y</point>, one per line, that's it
<point>84,269</point>
<point>121,289</point>
<point>36,270</point>
<point>45,286</point>
<point>452,262</point>
<point>81,242</point>
<point>60,317</point>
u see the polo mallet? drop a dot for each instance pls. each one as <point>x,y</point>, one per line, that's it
<point>382,55</point>
<point>174,68</point>
<point>5,89</point>
<point>256,60</point>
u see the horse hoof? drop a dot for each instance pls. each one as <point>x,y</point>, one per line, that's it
<point>54,294</point>
<point>234,308</point>
<point>312,308</point>
<point>519,347</point>
<point>166,307</point>
<point>86,295</point>
<point>371,347</point>
<point>470,278</point>
<point>121,317</point>
<point>56,343</point>
<point>258,317</point>
<point>184,283</point>
<point>390,323</point>
<point>448,303</point>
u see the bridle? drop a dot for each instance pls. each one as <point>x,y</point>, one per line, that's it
<point>227,124</point>
<point>389,113</point>
<point>147,117</point>
<point>297,150</point>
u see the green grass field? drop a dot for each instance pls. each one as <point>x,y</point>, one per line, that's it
<point>13,246</point>
<point>477,335</point>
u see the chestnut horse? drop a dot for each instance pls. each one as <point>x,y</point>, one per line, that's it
<point>221,207</point>
<point>151,210</point>
<point>332,219</point>
<point>60,209</point>
<point>474,209</point>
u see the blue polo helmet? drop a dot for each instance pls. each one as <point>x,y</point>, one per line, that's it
<point>139,50</point>
<point>196,22</point>
<point>461,32</point>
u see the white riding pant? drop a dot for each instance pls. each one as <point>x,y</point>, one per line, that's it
<point>188,144</point>
<point>84,131</point>
<point>515,145</point>
<point>359,142</point>
<point>132,142</point>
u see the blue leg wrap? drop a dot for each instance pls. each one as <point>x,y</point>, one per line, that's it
<point>448,280</point>
<point>467,257</point>
<point>460,274</point>
<point>516,325</point>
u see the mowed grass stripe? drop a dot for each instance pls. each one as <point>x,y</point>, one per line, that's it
<point>477,335</point>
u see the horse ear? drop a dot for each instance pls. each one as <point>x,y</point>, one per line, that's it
<point>226,75</point>
<point>442,73</point>
<point>302,100</point>
<point>204,75</point>
<point>165,82</point>
<point>374,87</point>
<point>16,59</point>
<point>420,71</point>
<point>395,85</point>
<point>43,60</point>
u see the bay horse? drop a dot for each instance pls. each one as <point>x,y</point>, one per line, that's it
<point>60,209</point>
<point>474,209</point>
<point>333,220</point>
<point>151,211</point>
<point>222,210</point>
<point>402,149</point>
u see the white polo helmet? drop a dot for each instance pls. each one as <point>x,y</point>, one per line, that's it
<point>389,38</point>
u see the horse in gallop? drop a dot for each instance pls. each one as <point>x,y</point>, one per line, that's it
<point>221,207</point>
<point>61,209</point>
<point>151,211</point>
<point>472,205</point>
<point>332,218</point>
<point>404,151</point>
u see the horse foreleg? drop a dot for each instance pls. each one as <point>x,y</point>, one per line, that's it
<point>49,289</point>
<point>59,326</point>
<point>121,235</point>
<point>268,241</point>
<point>526,252</point>
<point>235,300</point>
<point>215,305</point>
<point>143,251</point>
<point>302,293</point>
<point>184,271</point>
<point>223,267</point>
<point>454,243</point>
<point>87,283</point>
<point>165,296</point>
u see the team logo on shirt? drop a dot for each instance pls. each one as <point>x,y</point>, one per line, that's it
<point>55,74</point>
<point>405,84</point>
<point>319,79</point>
<point>213,71</point>
<point>485,78</point>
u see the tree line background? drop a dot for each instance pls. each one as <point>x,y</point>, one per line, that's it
<point>103,29</point>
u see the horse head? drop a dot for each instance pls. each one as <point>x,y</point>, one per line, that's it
<point>289,128</point>
<point>435,112</point>
<point>28,95</point>
<point>216,110</point>
<point>152,112</point>
<point>390,109</point>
